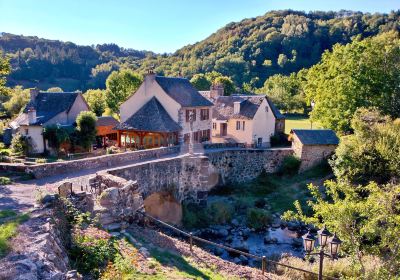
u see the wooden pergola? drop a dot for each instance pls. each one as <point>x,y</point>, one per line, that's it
<point>146,139</point>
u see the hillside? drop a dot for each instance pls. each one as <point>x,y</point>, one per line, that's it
<point>248,51</point>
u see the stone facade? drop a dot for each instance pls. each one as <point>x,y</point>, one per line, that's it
<point>242,165</point>
<point>55,168</point>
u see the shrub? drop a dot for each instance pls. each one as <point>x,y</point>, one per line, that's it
<point>86,127</point>
<point>290,165</point>
<point>260,203</point>
<point>258,218</point>
<point>242,203</point>
<point>19,145</point>
<point>5,181</point>
<point>40,160</point>
<point>220,212</point>
<point>194,216</point>
<point>56,135</point>
<point>112,150</point>
<point>92,249</point>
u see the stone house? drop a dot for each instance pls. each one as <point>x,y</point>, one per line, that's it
<point>157,114</point>
<point>249,119</point>
<point>44,109</point>
<point>313,146</point>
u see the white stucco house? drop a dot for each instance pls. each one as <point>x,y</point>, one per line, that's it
<point>248,119</point>
<point>44,109</point>
<point>157,114</point>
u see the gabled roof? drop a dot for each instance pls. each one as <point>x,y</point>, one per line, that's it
<point>316,136</point>
<point>47,106</point>
<point>223,107</point>
<point>278,115</point>
<point>151,117</point>
<point>182,91</point>
<point>106,121</point>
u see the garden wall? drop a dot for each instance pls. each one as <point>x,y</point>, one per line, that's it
<point>55,168</point>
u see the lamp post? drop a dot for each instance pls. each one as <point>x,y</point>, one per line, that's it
<point>312,107</point>
<point>324,238</point>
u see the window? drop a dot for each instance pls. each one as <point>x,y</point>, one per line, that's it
<point>26,131</point>
<point>214,126</point>
<point>237,125</point>
<point>243,125</point>
<point>188,115</point>
<point>204,114</point>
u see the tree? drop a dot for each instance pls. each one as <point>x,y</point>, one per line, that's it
<point>56,135</point>
<point>96,98</point>
<point>370,154</point>
<point>121,84</point>
<point>19,98</point>
<point>363,73</point>
<point>55,89</point>
<point>285,92</point>
<point>366,218</point>
<point>229,86</point>
<point>4,71</point>
<point>200,82</point>
<point>86,128</point>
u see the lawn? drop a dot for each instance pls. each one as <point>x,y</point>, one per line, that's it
<point>298,121</point>
<point>9,228</point>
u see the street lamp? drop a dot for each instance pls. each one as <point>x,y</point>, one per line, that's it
<point>323,239</point>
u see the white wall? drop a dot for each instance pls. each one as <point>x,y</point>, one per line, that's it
<point>264,123</point>
<point>36,137</point>
<point>78,106</point>
<point>241,136</point>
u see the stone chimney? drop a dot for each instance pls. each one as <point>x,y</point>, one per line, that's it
<point>236,107</point>
<point>149,79</point>
<point>216,91</point>
<point>33,93</point>
<point>31,115</point>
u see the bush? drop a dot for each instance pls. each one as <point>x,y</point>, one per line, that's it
<point>86,127</point>
<point>260,203</point>
<point>19,145</point>
<point>40,160</point>
<point>112,150</point>
<point>5,181</point>
<point>195,216</point>
<point>220,212</point>
<point>258,218</point>
<point>290,165</point>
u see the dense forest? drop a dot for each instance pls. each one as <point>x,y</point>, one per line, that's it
<point>248,52</point>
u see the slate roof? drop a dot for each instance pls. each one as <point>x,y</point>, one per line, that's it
<point>316,136</point>
<point>275,110</point>
<point>223,109</point>
<point>47,106</point>
<point>151,117</point>
<point>106,121</point>
<point>182,91</point>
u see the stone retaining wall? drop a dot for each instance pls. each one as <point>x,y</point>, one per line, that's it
<point>238,166</point>
<point>55,168</point>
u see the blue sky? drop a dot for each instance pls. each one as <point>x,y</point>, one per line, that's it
<point>157,25</point>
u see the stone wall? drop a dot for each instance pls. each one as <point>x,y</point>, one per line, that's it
<point>191,178</point>
<point>238,166</point>
<point>312,155</point>
<point>51,169</point>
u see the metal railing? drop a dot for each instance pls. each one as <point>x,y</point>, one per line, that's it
<point>263,259</point>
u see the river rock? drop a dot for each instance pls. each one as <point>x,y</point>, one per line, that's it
<point>236,260</point>
<point>246,232</point>
<point>223,232</point>
<point>235,222</point>
<point>270,240</point>
<point>219,251</point>
<point>244,259</point>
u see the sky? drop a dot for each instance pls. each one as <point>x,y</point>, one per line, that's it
<point>155,25</point>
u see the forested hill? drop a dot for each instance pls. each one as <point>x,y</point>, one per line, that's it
<point>46,63</point>
<point>248,51</point>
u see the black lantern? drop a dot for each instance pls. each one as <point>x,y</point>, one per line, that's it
<point>334,245</point>
<point>323,235</point>
<point>309,241</point>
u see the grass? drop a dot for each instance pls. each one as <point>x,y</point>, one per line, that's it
<point>298,121</point>
<point>9,229</point>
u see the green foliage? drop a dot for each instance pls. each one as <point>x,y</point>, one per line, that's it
<point>56,135</point>
<point>286,92</point>
<point>290,165</point>
<point>96,98</point>
<point>200,82</point>
<point>258,218</point>
<point>9,229</point>
<point>19,145</point>
<point>19,97</point>
<point>86,128</point>
<point>40,160</point>
<point>120,85</point>
<point>371,79</point>
<point>4,71</point>
<point>370,153</point>
<point>229,86</point>
<point>5,181</point>
<point>366,218</point>
<point>218,212</point>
